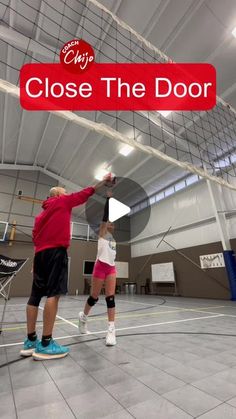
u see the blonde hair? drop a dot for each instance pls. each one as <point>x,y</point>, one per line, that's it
<point>57,191</point>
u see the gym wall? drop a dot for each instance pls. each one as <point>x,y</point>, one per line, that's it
<point>191,281</point>
<point>194,232</point>
<point>79,251</point>
<point>33,184</point>
<point>198,236</point>
<point>190,215</point>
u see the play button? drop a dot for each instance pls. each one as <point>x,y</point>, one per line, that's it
<point>117,210</point>
<point>127,195</point>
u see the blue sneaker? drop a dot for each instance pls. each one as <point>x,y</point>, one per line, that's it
<point>52,351</point>
<point>29,347</point>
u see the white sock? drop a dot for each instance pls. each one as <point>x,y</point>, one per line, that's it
<point>84,316</point>
<point>111,325</point>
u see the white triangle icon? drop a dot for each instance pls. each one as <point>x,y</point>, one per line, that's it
<point>117,210</point>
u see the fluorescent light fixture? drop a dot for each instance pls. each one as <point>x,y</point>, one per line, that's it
<point>101,173</point>
<point>234,32</point>
<point>164,113</point>
<point>126,150</point>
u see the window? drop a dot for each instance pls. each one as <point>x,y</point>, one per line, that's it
<point>191,179</point>
<point>233,158</point>
<point>169,191</point>
<point>160,196</point>
<point>180,185</point>
<point>143,205</point>
<point>222,163</point>
<point>152,200</point>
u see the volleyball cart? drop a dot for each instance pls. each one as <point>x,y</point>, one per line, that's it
<point>9,268</point>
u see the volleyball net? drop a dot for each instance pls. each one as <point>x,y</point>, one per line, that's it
<point>203,143</point>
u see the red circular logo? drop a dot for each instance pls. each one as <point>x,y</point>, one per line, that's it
<point>77,56</point>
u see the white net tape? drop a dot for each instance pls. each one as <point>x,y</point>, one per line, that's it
<point>116,136</point>
<point>203,143</point>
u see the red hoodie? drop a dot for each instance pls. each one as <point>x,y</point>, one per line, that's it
<point>52,225</point>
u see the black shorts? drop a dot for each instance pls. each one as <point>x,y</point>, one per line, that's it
<point>50,273</point>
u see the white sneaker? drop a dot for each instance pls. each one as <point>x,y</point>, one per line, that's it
<point>111,337</point>
<point>83,327</point>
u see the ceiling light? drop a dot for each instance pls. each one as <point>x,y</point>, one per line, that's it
<point>234,32</point>
<point>101,173</point>
<point>164,113</point>
<point>126,150</point>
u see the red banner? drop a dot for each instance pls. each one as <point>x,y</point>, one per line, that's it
<point>119,87</point>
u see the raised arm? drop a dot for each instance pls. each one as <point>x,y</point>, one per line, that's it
<point>78,198</point>
<point>105,218</point>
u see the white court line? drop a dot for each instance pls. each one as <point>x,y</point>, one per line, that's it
<point>201,308</point>
<point>134,302</point>
<point>62,318</point>
<point>165,305</point>
<point>124,328</point>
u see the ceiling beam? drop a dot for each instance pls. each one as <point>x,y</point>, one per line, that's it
<point>37,34</point>
<point>106,29</point>
<point>97,46</point>
<point>74,154</point>
<point>42,139</point>
<point>56,144</point>
<point>73,186</point>
<point>151,24</point>
<point>8,69</point>
<point>154,117</point>
<point>4,126</point>
<point>15,38</point>
<point>114,135</point>
<point>20,135</point>
<point>192,9</point>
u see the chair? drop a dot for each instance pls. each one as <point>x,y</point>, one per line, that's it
<point>146,287</point>
<point>9,268</point>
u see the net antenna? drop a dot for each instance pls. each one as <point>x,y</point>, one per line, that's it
<point>203,143</point>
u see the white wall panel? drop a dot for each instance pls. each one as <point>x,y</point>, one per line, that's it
<point>20,210</point>
<point>42,191</point>
<point>5,202</point>
<point>47,180</point>
<point>7,184</point>
<point>191,212</point>
<point>3,216</point>
<point>31,175</point>
<point>37,208</point>
<point>22,207</point>
<point>187,238</point>
<point>26,187</point>
<point>186,207</point>
<point>21,219</point>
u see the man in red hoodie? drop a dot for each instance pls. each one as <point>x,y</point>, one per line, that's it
<point>51,237</point>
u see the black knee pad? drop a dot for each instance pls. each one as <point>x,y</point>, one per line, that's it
<point>92,301</point>
<point>110,300</point>
<point>34,301</point>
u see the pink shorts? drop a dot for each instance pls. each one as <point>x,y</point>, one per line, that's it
<point>101,270</point>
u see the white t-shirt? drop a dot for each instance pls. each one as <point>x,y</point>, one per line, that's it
<point>107,249</point>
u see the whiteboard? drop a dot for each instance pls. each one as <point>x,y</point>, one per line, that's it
<point>122,269</point>
<point>163,272</point>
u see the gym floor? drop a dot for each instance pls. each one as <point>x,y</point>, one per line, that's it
<point>172,361</point>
